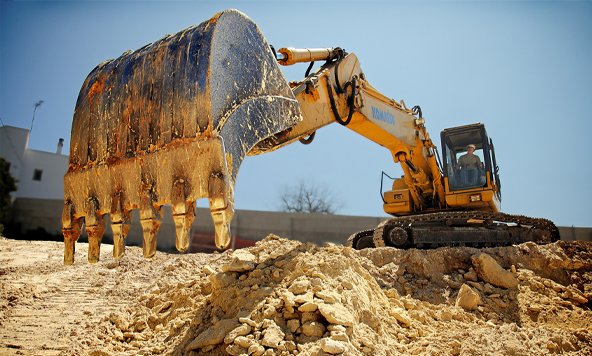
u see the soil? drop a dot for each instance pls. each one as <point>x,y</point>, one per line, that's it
<point>283,297</point>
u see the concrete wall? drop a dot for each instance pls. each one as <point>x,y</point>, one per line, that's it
<point>247,224</point>
<point>575,233</point>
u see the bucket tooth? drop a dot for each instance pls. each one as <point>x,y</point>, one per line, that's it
<point>95,235</point>
<point>70,238</point>
<point>221,207</point>
<point>183,215</point>
<point>182,226</point>
<point>222,220</point>
<point>121,223</point>
<point>95,227</point>
<point>120,231</point>
<point>150,220</point>
<point>150,228</point>
<point>72,228</point>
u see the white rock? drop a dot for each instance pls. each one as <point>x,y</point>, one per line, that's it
<point>332,347</point>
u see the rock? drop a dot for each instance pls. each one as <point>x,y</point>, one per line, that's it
<point>300,285</point>
<point>576,295</point>
<point>244,342</point>
<point>339,336</point>
<point>242,261</point>
<point>308,307</point>
<point>245,320</point>
<point>336,314</point>
<point>235,350</point>
<point>329,296</point>
<point>476,285</point>
<point>332,347</point>
<point>208,270</point>
<point>401,315</point>
<point>304,298</point>
<point>491,272</point>
<point>118,335</point>
<point>392,293</point>
<point>288,298</point>
<point>309,316</point>
<point>99,352</point>
<point>471,275</point>
<point>222,280</point>
<point>313,329</point>
<point>141,324</point>
<point>467,298</point>
<point>293,325</point>
<point>241,330</point>
<point>214,335</point>
<point>347,285</point>
<point>256,350</point>
<point>273,335</point>
<point>120,320</point>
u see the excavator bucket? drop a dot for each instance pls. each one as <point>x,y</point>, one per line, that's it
<point>170,123</point>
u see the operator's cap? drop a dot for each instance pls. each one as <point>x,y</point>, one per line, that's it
<point>471,145</point>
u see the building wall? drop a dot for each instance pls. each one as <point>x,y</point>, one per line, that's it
<point>52,166</point>
<point>24,162</point>
<point>13,144</point>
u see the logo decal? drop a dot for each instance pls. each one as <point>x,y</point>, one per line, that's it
<point>381,115</point>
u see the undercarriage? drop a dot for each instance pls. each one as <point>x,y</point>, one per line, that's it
<point>456,228</point>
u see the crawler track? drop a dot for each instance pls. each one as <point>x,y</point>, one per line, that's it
<point>456,228</point>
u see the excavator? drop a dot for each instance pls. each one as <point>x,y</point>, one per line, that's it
<point>171,123</point>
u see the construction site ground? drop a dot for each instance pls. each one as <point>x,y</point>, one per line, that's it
<point>283,297</point>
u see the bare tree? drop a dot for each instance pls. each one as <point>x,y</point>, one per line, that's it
<point>308,197</point>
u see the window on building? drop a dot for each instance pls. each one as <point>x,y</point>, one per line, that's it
<point>37,174</point>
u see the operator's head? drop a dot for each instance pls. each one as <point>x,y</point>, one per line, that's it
<point>471,148</point>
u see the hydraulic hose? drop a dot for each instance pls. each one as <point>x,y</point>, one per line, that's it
<point>350,101</point>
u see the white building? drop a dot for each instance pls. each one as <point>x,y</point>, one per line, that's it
<point>40,174</point>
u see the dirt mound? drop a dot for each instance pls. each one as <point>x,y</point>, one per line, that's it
<point>282,297</point>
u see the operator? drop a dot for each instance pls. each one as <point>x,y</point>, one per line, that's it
<point>469,164</point>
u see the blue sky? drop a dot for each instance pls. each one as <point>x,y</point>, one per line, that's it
<point>522,68</point>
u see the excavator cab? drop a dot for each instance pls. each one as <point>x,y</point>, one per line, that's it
<point>471,174</point>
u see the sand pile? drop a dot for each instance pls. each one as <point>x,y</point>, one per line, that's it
<point>282,297</point>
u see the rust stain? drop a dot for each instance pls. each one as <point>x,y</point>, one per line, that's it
<point>96,88</point>
<point>229,162</point>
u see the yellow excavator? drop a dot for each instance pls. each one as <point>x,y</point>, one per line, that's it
<point>171,123</point>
